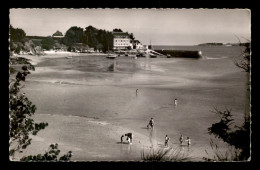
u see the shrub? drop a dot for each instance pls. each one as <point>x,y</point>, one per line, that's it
<point>50,155</point>
<point>239,137</point>
<point>165,154</point>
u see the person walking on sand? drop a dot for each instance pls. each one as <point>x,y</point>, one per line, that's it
<point>188,141</point>
<point>136,92</point>
<point>181,139</point>
<point>122,138</point>
<point>175,102</point>
<point>166,140</point>
<point>151,123</point>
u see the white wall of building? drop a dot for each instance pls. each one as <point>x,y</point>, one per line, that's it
<point>121,43</point>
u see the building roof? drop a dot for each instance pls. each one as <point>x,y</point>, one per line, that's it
<point>137,41</point>
<point>57,33</point>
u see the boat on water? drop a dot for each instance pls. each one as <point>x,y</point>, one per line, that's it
<point>140,55</point>
<point>69,57</point>
<point>152,55</point>
<point>111,56</point>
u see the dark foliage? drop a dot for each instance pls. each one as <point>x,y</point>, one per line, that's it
<point>50,155</point>
<point>98,39</point>
<point>20,60</point>
<point>73,35</point>
<point>95,38</point>
<point>117,30</point>
<point>47,43</point>
<point>16,34</point>
<point>243,61</point>
<point>20,111</point>
<point>239,138</point>
<point>162,155</point>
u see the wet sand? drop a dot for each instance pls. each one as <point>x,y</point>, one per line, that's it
<point>89,108</point>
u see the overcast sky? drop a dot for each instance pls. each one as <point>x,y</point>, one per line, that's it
<point>160,26</point>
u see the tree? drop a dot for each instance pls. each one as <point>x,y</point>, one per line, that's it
<point>239,138</point>
<point>69,48</point>
<point>91,36</point>
<point>17,39</point>
<point>20,111</point>
<point>132,36</point>
<point>117,30</point>
<point>244,62</point>
<point>48,43</point>
<point>73,35</point>
<point>16,34</point>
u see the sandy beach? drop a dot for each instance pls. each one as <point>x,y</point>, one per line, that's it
<point>88,108</point>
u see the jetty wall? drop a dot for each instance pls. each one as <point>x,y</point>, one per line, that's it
<point>180,53</point>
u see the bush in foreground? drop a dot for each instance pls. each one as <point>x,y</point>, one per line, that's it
<point>165,154</point>
<point>50,155</point>
<point>236,136</point>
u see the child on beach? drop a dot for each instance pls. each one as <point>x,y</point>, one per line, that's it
<point>129,137</point>
<point>175,102</point>
<point>188,141</point>
<point>166,140</point>
<point>181,139</point>
<point>122,138</point>
<point>151,122</point>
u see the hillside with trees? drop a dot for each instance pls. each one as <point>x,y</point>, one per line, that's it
<point>92,37</point>
<point>75,39</point>
<point>34,45</point>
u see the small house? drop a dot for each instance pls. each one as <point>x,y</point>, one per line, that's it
<point>57,34</point>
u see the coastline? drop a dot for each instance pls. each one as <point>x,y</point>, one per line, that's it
<point>52,54</point>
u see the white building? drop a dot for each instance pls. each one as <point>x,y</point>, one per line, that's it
<point>137,44</point>
<point>121,40</point>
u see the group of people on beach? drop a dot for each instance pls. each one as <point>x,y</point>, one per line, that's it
<point>187,140</point>
<point>129,136</point>
<point>181,140</point>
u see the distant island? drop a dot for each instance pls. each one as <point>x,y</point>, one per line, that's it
<point>210,44</point>
<point>222,44</point>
